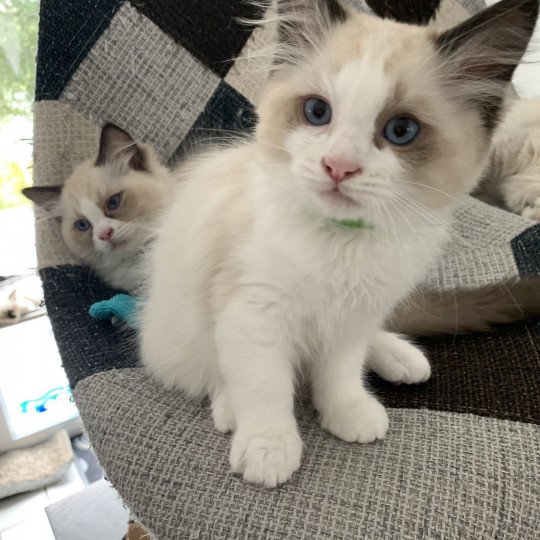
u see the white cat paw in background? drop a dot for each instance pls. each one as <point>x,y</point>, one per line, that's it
<point>268,457</point>
<point>398,361</point>
<point>532,211</point>
<point>363,420</point>
<point>512,179</point>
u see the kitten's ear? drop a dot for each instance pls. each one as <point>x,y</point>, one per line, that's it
<point>483,52</point>
<point>406,11</point>
<point>47,197</point>
<point>301,22</point>
<point>116,146</point>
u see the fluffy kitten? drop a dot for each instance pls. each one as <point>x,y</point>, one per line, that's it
<point>108,207</point>
<point>512,179</point>
<point>291,249</point>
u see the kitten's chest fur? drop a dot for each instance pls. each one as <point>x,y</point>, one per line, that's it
<point>126,272</point>
<point>322,278</point>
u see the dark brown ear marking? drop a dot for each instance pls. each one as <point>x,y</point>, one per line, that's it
<point>301,17</point>
<point>42,195</point>
<point>335,11</point>
<point>489,47</point>
<point>504,30</point>
<point>116,145</point>
<point>405,11</point>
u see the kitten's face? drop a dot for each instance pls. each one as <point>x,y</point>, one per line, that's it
<point>109,204</point>
<point>106,213</point>
<point>369,125</point>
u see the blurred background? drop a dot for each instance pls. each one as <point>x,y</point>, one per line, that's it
<point>18,44</point>
<point>44,459</point>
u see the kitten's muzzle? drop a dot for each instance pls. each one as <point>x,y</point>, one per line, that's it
<point>340,170</point>
<point>338,196</point>
<point>106,234</point>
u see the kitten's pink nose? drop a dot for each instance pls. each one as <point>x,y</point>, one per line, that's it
<point>340,170</point>
<point>106,234</point>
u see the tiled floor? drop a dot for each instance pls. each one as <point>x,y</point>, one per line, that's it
<point>36,526</point>
<point>22,517</point>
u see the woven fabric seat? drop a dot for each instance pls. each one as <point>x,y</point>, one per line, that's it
<point>462,457</point>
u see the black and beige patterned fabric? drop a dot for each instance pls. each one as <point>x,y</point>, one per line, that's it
<point>462,457</point>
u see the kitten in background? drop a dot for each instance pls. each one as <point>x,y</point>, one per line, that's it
<point>108,207</point>
<point>512,178</point>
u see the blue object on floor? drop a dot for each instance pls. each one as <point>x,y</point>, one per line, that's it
<point>122,306</point>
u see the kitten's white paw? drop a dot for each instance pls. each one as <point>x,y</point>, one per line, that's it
<point>266,458</point>
<point>222,413</point>
<point>397,361</point>
<point>363,421</point>
<point>532,211</point>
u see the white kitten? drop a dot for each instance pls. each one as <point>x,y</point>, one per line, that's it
<point>109,205</point>
<point>291,249</point>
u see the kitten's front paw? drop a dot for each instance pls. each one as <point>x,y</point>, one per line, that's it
<point>222,413</point>
<point>532,211</point>
<point>363,421</point>
<point>266,458</point>
<point>397,361</point>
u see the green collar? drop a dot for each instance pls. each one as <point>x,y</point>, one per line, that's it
<point>353,224</point>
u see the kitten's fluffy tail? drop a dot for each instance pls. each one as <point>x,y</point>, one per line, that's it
<point>467,310</point>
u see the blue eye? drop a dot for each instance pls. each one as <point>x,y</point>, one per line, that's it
<point>401,130</point>
<point>317,111</point>
<point>82,225</point>
<point>114,202</point>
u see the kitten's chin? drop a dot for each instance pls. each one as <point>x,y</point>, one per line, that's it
<point>117,250</point>
<point>119,246</point>
<point>335,204</point>
<point>336,198</point>
<point>366,203</point>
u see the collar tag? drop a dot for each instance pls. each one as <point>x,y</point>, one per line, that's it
<point>353,224</point>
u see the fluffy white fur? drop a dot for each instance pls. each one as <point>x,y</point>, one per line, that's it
<point>252,288</point>
<point>252,278</point>
<point>515,158</point>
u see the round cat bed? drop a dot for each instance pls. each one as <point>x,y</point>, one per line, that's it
<point>462,457</point>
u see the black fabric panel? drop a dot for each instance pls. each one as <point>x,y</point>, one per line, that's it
<point>208,29</point>
<point>86,346</point>
<point>405,11</point>
<point>496,375</point>
<point>67,32</point>
<point>526,248</point>
<point>227,113</point>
